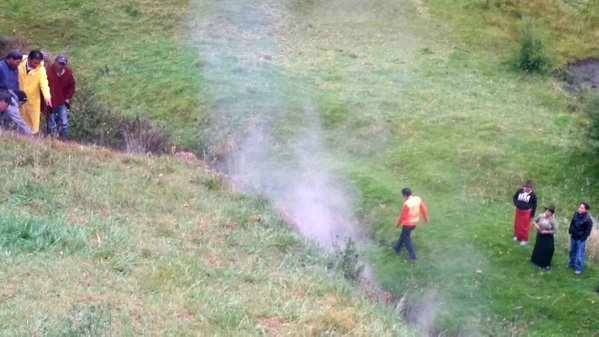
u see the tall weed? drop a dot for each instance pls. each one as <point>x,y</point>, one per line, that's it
<point>531,54</point>
<point>347,260</point>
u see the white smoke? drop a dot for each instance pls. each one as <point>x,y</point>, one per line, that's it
<point>293,170</point>
<point>298,180</point>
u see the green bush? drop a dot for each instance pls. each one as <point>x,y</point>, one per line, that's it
<point>347,260</point>
<point>100,124</point>
<point>591,109</point>
<point>531,55</point>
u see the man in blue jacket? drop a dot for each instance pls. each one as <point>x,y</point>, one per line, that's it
<point>9,74</point>
<point>580,229</point>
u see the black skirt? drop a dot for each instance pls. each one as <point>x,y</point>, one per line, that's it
<point>543,251</point>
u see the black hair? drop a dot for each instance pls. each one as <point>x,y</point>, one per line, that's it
<point>6,97</point>
<point>586,206</point>
<point>35,54</point>
<point>406,192</point>
<point>21,95</point>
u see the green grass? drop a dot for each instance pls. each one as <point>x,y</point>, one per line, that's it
<point>408,93</point>
<point>128,245</point>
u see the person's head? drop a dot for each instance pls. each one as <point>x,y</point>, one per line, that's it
<point>406,192</point>
<point>35,58</point>
<point>14,58</point>
<point>60,62</point>
<point>22,96</point>
<point>45,56</point>
<point>528,186</point>
<point>549,210</point>
<point>5,99</point>
<point>583,208</point>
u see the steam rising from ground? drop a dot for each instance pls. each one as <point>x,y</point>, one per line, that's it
<point>302,186</point>
<point>291,168</point>
<point>274,139</point>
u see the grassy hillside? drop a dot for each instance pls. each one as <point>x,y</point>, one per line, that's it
<point>96,243</point>
<point>396,93</point>
<point>133,53</point>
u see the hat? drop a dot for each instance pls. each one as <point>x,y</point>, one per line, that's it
<point>62,59</point>
<point>15,54</point>
<point>551,208</point>
<point>22,96</point>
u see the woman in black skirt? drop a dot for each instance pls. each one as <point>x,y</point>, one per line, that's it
<point>546,226</point>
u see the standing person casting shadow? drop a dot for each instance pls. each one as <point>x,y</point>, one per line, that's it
<point>546,227</point>
<point>579,230</point>
<point>525,201</point>
<point>411,210</point>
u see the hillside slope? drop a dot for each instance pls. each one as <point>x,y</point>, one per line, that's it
<point>99,243</point>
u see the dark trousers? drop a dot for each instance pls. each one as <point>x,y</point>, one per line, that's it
<point>404,238</point>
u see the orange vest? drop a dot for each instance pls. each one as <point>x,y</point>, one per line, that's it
<point>410,212</point>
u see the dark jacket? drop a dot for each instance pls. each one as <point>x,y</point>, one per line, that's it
<point>9,76</point>
<point>580,226</point>
<point>523,201</point>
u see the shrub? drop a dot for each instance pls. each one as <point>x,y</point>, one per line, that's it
<point>593,246</point>
<point>531,55</point>
<point>347,260</point>
<point>93,122</point>
<point>102,125</point>
<point>591,109</point>
<point>141,136</point>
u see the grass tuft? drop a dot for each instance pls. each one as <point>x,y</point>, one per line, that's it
<point>29,235</point>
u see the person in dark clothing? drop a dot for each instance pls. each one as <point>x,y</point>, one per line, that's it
<point>525,201</point>
<point>546,227</point>
<point>9,74</point>
<point>62,88</point>
<point>579,230</point>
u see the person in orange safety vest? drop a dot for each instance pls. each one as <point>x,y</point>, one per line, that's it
<point>413,207</point>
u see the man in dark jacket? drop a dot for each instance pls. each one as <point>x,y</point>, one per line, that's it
<point>580,229</point>
<point>9,74</point>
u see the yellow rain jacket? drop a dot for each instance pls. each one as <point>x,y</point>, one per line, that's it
<point>34,84</point>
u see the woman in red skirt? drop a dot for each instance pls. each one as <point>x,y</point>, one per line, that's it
<point>525,201</point>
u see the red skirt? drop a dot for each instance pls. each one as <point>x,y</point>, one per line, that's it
<point>522,224</point>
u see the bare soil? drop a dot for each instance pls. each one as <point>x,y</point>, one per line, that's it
<point>580,76</point>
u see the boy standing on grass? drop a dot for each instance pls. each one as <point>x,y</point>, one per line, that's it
<point>525,201</point>
<point>411,210</point>
<point>580,229</point>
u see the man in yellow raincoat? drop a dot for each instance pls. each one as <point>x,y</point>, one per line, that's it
<point>34,82</point>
